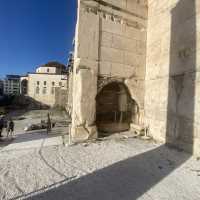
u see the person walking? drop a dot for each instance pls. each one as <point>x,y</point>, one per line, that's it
<point>10,128</point>
<point>1,125</point>
<point>48,123</point>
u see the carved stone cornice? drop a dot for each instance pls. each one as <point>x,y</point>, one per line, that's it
<point>113,17</point>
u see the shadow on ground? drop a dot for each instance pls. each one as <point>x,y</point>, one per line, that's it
<point>127,179</point>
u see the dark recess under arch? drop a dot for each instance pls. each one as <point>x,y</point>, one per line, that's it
<point>115,109</point>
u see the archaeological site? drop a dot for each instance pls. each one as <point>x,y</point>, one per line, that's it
<point>118,120</point>
<point>136,67</point>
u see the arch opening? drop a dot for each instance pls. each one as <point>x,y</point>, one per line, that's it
<point>115,109</point>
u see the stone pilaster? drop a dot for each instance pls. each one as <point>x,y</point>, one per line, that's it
<point>85,74</point>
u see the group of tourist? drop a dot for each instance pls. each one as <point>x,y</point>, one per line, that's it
<point>8,125</point>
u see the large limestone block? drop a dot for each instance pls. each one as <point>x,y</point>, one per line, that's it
<point>88,35</point>
<point>123,43</point>
<point>83,133</point>
<point>84,99</point>
<point>87,64</point>
<point>84,103</point>
<point>106,39</point>
<point>117,70</point>
<point>141,47</point>
<point>136,7</point>
<point>154,31</point>
<point>134,71</point>
<point>156,94</point>
<point>196,147</point>
<point>126,71</point>
<point>159,69</point>
<point>197,99</point>
<point>111,27</point>
<point>157,129</point>
<point>105,68</point>
<point>133,33</point>
<point>134,59</point>
<point>79,134</point>
<point>112,55</point>
<point>129,71</point>
<point>136,89</point>
<point>187,97</point>
<point>160,6</point>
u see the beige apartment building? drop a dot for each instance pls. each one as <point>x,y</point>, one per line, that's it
<point>46,83</point>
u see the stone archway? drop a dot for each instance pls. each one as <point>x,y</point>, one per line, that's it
<point>115,109</point>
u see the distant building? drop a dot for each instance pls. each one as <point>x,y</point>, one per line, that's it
<point>1,87</point>
<point>44,84</point>
<point>24,85</point>
<point>11,85</point>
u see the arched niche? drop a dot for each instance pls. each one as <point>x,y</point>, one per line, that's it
<point>115,109</point>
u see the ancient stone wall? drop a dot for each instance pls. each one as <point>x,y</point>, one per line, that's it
<point>172,97</point>
<point>154,51</point>
<point>69,97</point>
<point>122,45</point>
<point>110,45</point>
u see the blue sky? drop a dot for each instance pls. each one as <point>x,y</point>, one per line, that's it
<point>33,32</point>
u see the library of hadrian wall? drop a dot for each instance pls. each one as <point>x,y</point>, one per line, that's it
<point>136,66</point>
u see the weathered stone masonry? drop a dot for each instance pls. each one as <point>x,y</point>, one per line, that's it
<point>151,50</point>
<point>172,97</point>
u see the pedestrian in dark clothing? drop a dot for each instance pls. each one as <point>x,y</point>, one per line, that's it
<point>10,128</point>
<point>48,123</point>
<point>1,126</point>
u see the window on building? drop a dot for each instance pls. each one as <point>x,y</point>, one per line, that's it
<point>48,70</point>
<point>44,91</point>
<point>60,84</point>
<point>37,90</point>
<point>53,83</point>
<point>45,83</point>
<point>38,82</point>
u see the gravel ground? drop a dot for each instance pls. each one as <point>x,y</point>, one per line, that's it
<point>115,168</point>
<point>118,169</point>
